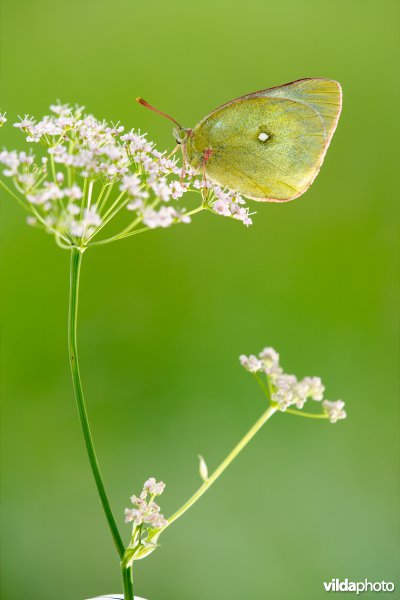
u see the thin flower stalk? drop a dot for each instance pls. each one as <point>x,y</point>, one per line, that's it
<point>223,466</point>
<point>281,390</point>
<point>76,260</point>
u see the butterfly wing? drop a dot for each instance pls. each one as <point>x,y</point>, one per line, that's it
<point>268,145</point>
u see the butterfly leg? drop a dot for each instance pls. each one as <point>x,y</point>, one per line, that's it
<point>184,162</point>
<point>204,175</point>
<point>206,157</point>
<point>174,151</point>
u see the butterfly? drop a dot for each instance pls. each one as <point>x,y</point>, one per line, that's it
<point>268,145</point>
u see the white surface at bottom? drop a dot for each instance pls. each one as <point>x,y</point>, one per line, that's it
<point>113,597</point>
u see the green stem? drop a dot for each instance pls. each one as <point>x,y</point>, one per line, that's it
<point>53,167</point>
<point>33,212</point>
<point>127,581</point>
<point>219,470</point>
<point>76,259</point>
<point>110,213</point>
<point>115,238</point>
<point>105,198</point>
<point>17,198</point>
<point>262,385</point>
<point>301,413</point>
<point>122,235</point>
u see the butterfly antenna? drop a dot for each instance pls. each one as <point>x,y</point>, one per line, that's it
<point>147,105</point>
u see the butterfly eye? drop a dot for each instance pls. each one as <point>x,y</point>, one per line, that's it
<point>180,135</point>
<point>263,136</point>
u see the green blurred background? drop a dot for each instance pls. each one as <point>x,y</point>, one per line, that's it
<point>164,316</point>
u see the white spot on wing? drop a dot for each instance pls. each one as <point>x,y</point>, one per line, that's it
<point>263,136</point>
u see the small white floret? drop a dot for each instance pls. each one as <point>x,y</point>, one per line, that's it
<point>250,363</point>
<point>334,410</point>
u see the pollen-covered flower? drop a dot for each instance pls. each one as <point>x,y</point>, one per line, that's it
<point>3,118</point>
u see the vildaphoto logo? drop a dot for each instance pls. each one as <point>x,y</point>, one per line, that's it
<point>337,585</point>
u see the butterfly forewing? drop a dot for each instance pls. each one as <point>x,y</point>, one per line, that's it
<point>324,95</point>
<point>268,145</point>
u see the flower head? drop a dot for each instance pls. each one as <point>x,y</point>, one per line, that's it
<point>146,511</point>
<point>334,410</point>
<point>92,170</point>
<point>251,363</point>
<point>314,387</point>
<point>154,487</point>
<point>285,389</point>
<point>270,359</point>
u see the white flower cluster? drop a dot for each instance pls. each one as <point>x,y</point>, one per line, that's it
<point>334,410</point>
<point>166,216</point>
<point>285,389</point>
<point>224,202</point>
<point>92,169</point>
<point>145,510</point>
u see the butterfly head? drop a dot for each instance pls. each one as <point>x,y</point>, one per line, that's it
<point>181,134</point>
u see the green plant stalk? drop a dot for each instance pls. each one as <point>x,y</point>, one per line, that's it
<point>224,465</point>
<point>127,581</point>
<point>76,260</point>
